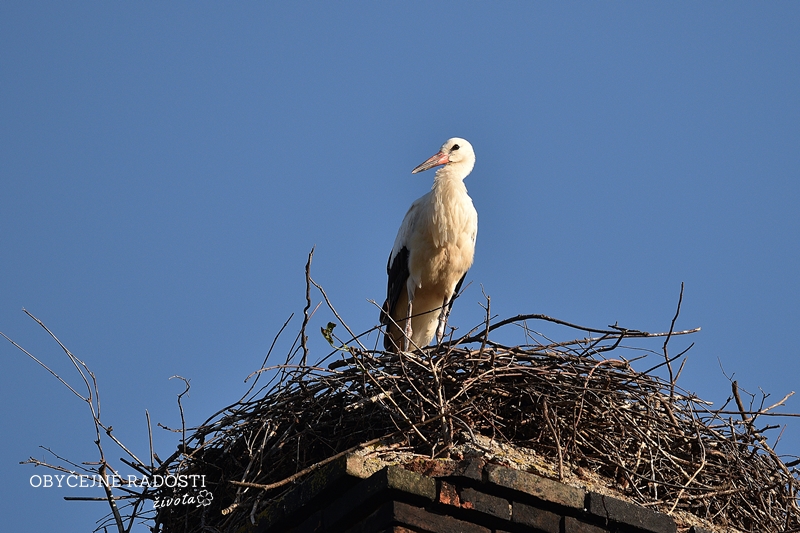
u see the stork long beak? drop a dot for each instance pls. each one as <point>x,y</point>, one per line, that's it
<point>439,159</point>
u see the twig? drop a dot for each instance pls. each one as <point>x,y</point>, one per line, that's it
<point>303,336</point>
<point>666,342</point>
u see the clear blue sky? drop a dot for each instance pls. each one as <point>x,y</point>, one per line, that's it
<point>166,167</point>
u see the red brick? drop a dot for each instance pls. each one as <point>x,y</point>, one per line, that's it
<point>419,518</point>
<point>485,503</point>
<point>399,479</point>
<point>437,468</point>
<point>391,478</point>
<point>573,525</point>
<point>448,494</point>
<point>539,519</point>
<point>432,467</point>
<point>540,487</point>
<point>627,513</point>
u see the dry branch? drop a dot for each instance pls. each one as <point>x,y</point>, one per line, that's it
<point>566,400</point>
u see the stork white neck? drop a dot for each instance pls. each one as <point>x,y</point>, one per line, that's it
<point>450,203</point>
<point>455,170</point>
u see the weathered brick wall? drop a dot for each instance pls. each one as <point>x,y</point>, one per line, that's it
<point>451,497</point>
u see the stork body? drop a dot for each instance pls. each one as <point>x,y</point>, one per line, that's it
<point>434,248</point>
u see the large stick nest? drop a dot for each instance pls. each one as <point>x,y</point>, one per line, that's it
<point>567,401</point>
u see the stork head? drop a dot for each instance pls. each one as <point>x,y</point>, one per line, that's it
<point>457,156</point>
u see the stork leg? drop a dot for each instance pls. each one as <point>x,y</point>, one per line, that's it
<point>407,333</point>
<point>443,314</point>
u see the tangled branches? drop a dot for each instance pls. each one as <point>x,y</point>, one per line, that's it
<point>578,404</point>
<point>566,401</point>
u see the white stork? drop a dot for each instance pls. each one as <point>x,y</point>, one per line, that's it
<point>433,250</point>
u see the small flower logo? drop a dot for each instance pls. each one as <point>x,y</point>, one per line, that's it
<point>204,498</point>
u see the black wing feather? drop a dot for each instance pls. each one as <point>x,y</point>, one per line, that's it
<point>398,275</point>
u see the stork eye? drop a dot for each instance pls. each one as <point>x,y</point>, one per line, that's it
<point>454,148</point>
